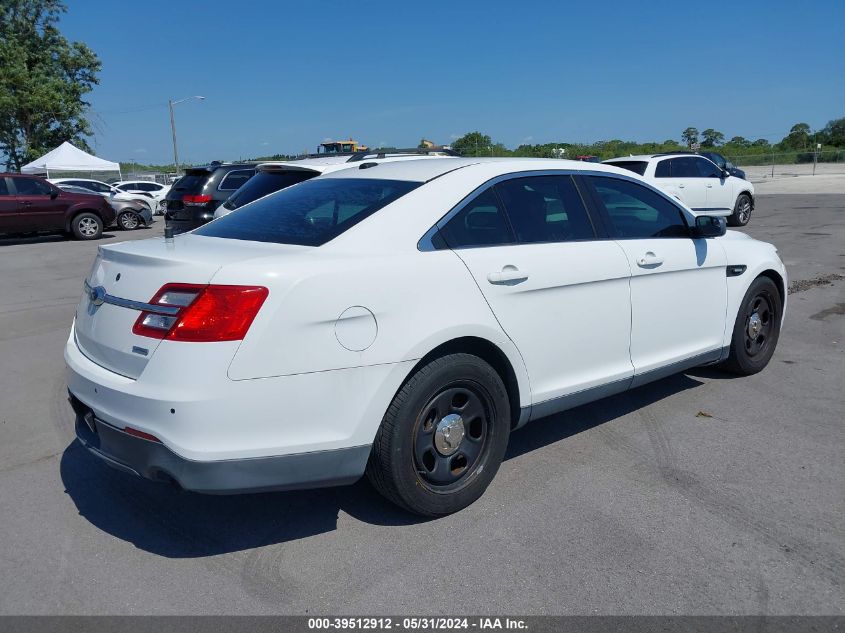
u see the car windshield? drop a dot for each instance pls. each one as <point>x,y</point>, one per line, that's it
<point>266,182</point>
<point>311,213</point>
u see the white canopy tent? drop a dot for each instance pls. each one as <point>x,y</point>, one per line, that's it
<point>66,157</point>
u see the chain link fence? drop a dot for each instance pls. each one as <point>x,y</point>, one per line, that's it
<point>764,166</point>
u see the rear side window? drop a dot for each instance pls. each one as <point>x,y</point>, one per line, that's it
<point>638,212</point>
<point>662,169</point>
<point>264,183</point>
<point>235,179</point>
<point>636,166</point>
<point>4,190</point>
<point>685,167</point>
<point>545,209</point>
<point>31,187</point>
<point>481,222</point>
<point>310,214</point>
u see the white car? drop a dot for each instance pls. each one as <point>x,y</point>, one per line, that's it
<point>696,181</point>
<point>105,190</point>
<point>152,190</point>
<point>273,176</point>
<point>402,320</point>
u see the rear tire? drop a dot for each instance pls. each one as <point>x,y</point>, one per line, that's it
<point>742,211</point>
<point>443,436</point>
<point>128,221</point>
<point>87,226</point>
<point>757,328</point>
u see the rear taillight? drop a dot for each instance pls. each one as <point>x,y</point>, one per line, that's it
<point>192,201</point>
<point>201,314</point>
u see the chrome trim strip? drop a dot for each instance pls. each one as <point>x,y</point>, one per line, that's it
<point>134,305</point>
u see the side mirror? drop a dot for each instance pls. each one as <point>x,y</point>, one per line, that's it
<point>709,226</point>
<point>54,193</point>
<point>725,173</point>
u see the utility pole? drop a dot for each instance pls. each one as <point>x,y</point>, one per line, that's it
<point>173,132</point>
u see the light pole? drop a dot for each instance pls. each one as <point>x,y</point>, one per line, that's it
<point>170,104</point>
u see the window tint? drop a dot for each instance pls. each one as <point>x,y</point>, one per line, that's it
<point>4,190</point>
<point>638,212</point>
<point>266,182</point>
<point>685,167</point>
<point>636,166</point>
<point>480,223</point>
<point>662,170</point>
<point>309,214</point>
<point>31,187</point>
<point>192,182</point>
<point>545,209</point>
<point>706,169</point>
<point>716,158</point>
<point>235,178</point>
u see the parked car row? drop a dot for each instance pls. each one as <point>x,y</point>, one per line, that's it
<point>31,204</point>
<point>399,318</point>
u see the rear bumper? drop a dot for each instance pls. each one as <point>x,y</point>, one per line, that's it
<point>153,460</point>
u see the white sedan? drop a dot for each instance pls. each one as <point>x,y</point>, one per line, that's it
<point>698,182</point>
<point>402,320</point>
<point>147,188</point>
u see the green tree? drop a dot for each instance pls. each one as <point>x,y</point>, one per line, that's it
<point>473,144</point>
<point>43,79</point>
<point>798,137</point>
<point>712,138</point>
<point>834,133</point>
<point>740,141</point>
<point>760,142</point>
<point>690,136</point>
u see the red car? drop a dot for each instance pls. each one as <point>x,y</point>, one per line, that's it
<point>30,204</point>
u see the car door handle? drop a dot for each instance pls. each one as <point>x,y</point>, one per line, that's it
<point>26,203</point>
<point>510,276</point>
<point>681,186</point>
<point>709,186</point>
<point>649,260</point>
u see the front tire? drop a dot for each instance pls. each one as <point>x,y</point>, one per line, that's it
<point>742,211</point>
<point>443,436</point>
<point>128,221</point>
<point>757,328</point>
<point>87,226</point>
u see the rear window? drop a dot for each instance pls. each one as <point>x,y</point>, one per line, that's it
<point>636,166</point>
<point>309,214</point>
<point>192,181</point>
<point>264,183</point>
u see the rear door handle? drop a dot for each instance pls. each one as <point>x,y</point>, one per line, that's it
<point>26,203</point>
<point>681,186</point>
<point>649,260</point>
<point>510,276</point>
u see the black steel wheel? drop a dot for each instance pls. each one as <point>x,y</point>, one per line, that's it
<point>757,328</point>
<point>443,437</point>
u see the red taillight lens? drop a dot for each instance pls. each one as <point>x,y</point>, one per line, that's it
<point>204,314</point>
<point>195,200</point>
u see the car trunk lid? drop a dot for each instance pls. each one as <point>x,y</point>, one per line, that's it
<point>124,276</point>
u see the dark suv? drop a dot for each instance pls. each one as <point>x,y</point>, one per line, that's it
<point>194,197</point>
<point>30,204</point>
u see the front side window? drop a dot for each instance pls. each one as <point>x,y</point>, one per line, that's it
<point>311,213</point>
<point>235,178</point>
<point>32,187</point>
<point>636,211</point>
<point>706,169</point>
<point>481,222</point>
<point>545,209</point>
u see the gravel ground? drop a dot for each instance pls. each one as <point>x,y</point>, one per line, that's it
<point>698,494</point>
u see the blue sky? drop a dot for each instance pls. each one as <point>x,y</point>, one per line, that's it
<point>282,76</point>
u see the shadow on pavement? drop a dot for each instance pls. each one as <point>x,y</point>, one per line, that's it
<point>168,522</point>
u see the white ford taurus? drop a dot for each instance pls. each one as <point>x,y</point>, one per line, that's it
<point>402,320</point>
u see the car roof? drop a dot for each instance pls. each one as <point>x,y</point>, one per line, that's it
<point>422,170</point>
<point>102,182</point>
<point>323,165</point>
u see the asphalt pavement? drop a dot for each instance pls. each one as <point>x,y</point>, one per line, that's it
<point>699,494</point>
